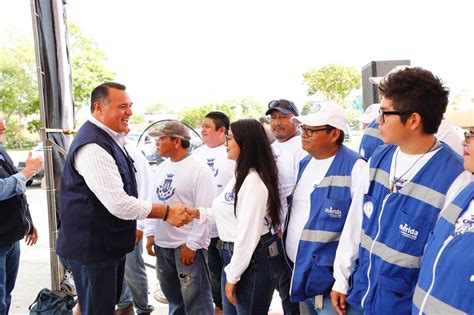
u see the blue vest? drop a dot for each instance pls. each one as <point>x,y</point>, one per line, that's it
<point>330,202</point>
<point>450,288</point>
<point>371,140</point>
<point>15,218</point>
<point>88,231</point>
<point>395,229</point>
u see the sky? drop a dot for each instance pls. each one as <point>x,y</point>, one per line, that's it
<point>190,53</point>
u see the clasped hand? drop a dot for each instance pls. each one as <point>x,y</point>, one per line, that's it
<point>180,215</point>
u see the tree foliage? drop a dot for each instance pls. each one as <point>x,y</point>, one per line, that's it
<point>158,108</point>
<point>334,81</point>
<point>19,98</point>
<point>88,64</point>
<point>234,109</point>
<point>19,92</point>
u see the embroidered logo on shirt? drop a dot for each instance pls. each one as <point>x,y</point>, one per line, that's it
<point>165,191</point>
<point>210,162</point>
<point>333,213</point>
<point>229,197</point>
<point>368,208</point>
<point>408,232</point>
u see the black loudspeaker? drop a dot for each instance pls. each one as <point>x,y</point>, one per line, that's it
<point>370,92</point>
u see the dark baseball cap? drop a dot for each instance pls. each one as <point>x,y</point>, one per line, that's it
<point>284,106</point>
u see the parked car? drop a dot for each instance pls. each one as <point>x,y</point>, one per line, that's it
<point>37,151</point>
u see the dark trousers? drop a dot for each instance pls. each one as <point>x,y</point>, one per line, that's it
<point>98,284</point>
<point>9,263</point>
<point>215,269</point>
<point>283,288</point>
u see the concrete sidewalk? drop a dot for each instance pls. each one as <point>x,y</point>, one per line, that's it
<point>34,273</point>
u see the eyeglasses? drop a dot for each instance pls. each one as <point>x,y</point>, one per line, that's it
<point>468,135</point>
<point>382,114</point>
<point>310,131</point>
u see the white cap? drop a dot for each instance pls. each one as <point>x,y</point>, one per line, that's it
<point>328,114</point>
<point>377,80</point>
<point>370,114</point>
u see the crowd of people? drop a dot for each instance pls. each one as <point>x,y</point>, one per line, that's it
<point>385,230</point>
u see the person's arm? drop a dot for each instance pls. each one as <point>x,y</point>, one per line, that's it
<point>252,199</point>
<point>102,176</point>
<point>204,193</point>
<point>16,184</point>
<point>348,248</point>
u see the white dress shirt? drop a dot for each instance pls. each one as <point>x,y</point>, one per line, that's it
<point>102,176</point>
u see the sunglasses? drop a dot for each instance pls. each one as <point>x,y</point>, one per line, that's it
<point>281,103</point>
<point>382,114</point>
<point>310,131</point>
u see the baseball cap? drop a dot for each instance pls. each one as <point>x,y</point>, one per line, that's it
<point>173,129</point>
<point>370,114</point>
<point>284,106</point>
<point>377,80</point>
<point>328,114</point>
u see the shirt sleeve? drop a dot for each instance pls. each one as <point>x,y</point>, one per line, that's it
<point>12,185</point>
<point>252,208</point>
<point>102,176</point>
<point>204,192</point>
<point>348,248</point>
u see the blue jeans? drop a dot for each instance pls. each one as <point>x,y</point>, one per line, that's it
<point>283,288</point>
<point>308,307</point>
<point>135,284</point>
<point>254,290</point>
<point>187,288</point>
<point>98,284</point>
<point>215,271</point>
<point>9,263</point>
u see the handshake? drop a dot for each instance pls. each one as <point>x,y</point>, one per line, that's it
<point>179,215</point>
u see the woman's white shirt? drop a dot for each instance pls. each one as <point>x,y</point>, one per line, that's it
<point>246,226</point>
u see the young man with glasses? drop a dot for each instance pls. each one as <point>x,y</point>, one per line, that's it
<point>372,139</point>
<point>440,290</point>
<point>288,153</point>
<point>399,198</point>
<point>319,205</point>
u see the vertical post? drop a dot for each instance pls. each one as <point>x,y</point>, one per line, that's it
<point>49,177</point>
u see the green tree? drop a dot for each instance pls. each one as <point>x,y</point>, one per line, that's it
<point>19,92</point>
<point>193,116</point>
<point>87,65</point>
<point>137,119</point>
<point>158,108</point>
<point>307,108</point>
<point>334,81</point>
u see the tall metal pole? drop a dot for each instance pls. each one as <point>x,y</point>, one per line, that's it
<point>49,177</point>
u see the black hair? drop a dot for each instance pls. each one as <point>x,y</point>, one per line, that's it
<point>256,153</point>
<point>100,93</point>
<point>220,120</point>
<point>339,140</point>
<point>417,90</point>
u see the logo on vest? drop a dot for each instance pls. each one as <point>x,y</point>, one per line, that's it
<point>408,232</point>
<point>333,213</point>
<point>368,208</point>
<point>165,191</point>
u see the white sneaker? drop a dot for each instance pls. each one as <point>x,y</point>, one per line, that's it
<point>159,296</point>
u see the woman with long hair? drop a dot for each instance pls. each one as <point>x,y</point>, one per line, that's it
<point>247,215</point>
